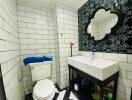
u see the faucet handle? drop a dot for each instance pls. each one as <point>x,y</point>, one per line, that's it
<point>71,43</point>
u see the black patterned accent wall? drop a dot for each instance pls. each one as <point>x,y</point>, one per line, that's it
<point>120,38</point>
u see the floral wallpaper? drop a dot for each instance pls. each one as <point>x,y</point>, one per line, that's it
<point>120,38</point>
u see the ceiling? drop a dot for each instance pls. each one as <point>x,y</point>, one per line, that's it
<point>49,3</point>
<point>73,3</point>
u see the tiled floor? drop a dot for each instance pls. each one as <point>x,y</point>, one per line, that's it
<point>65,94</point>
<point>28,97</point>
<point>56,97</point>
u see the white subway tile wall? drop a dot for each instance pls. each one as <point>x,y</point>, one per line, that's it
<point>125,74</point>
<point>67,22</point>
<point>10,51</point>
<point>36,34</point>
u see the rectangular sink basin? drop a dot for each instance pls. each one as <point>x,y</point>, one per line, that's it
<point>99,68</point>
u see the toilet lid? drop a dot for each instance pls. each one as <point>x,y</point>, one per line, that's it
<point>43,89</point>
<point>49,98</point>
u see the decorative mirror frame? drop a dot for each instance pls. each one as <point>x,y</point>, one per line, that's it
<point>119,40</point>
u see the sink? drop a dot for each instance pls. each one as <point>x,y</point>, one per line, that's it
<point>99,68</point>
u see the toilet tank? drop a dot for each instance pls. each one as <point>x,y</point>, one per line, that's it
<point>41,70</point>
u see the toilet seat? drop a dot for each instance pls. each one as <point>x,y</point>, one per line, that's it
<point>44,90</point>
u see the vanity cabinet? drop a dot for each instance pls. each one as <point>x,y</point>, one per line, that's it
<point>76,75</point>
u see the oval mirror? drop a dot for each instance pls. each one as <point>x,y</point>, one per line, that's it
<point>101,24</point>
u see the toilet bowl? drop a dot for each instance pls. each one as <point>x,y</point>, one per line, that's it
<point>44,90</point>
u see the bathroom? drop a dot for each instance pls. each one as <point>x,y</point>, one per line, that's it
<point>60,29</point>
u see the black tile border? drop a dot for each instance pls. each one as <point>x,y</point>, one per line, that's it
<point>120,38</point>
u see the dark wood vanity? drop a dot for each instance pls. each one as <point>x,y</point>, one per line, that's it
<point>75,75</point>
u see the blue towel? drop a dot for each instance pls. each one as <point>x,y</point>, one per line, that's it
<point>37,59</point>
<point>47,58</point>
<point>32,60</point>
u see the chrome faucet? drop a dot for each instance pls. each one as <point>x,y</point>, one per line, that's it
<point>93,55</point>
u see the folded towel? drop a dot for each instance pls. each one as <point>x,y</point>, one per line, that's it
<point>36,59</point>
<point>33,60</point>
<point>47,58</point>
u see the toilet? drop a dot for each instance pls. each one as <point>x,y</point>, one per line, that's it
<point>44,89</point>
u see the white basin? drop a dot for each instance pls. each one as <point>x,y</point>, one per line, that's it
<point>99,68</point>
